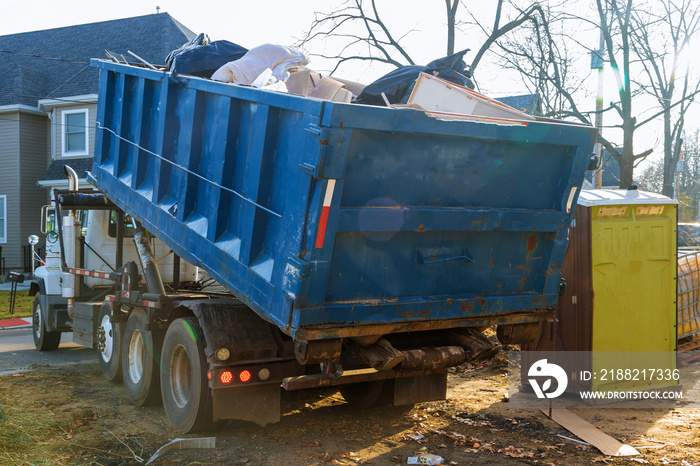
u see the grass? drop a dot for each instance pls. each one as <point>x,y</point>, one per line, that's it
<point>21,432</point>
<point>23,304</point>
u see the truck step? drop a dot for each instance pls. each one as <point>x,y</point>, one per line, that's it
<point>85,322</point>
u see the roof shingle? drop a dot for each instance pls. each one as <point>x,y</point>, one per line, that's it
<point>151,37</point>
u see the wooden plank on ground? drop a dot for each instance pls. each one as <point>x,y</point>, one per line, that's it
<point>589,433</point>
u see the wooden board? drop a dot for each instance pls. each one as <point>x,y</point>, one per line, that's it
<point>589,433</point>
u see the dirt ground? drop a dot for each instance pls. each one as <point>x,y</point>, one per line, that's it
<point>74,416</point>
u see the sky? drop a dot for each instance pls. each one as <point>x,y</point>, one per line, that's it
<point>281,22</point>
<point>245,23</point>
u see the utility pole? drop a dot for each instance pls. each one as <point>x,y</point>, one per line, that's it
<point>597,62</point>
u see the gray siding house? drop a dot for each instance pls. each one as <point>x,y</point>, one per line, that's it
<point>48,103</point>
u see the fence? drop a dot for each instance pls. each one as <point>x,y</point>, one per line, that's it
<point>688,294</point>
<point>27,256</point>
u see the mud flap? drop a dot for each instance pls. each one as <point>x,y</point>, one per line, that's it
<point>259,404</point>
<point>410,390</point>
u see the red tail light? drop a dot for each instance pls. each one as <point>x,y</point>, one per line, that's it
<point>226,377</point>
<point>244,376</point>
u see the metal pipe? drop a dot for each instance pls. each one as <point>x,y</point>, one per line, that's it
<point>119,259</point>
<point>72,178</point>
<point>154,282</point>
<point>176,271</point>
<point>69,292</point>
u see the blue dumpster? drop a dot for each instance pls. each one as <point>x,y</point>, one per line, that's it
<point>336,220</point>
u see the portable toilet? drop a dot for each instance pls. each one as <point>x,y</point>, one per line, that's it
<point>620,297</point>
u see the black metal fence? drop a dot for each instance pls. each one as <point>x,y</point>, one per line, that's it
<point>27,256</point>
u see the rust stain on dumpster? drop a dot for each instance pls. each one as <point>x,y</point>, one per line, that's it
<point>324,142</point>
<point>531,243</point>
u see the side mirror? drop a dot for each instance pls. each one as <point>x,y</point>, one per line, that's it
<point>47,212</point>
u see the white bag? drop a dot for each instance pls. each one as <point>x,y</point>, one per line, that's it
<point>277,58</point>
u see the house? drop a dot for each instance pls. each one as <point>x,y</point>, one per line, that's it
<point>48,102</point>
<point>611,173</point>
<point>526,103</point>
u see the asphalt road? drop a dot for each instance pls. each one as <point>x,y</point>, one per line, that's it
<point>18,354</point>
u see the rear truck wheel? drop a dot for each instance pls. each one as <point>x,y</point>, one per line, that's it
<point>363,394</point>
<point>109,344</point>
<point>141,360</point>
<point>43,339</point>
<point>186,395</point>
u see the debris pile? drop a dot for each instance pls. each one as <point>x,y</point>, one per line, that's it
<point>443,88</point>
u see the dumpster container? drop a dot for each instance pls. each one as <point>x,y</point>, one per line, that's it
<point>334,220</point>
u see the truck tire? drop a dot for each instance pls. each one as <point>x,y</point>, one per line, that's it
<point>141,360</point>
<point>43,339</point>
<point>363,394</point>
<point>110,350</point>
<point>186,395</point>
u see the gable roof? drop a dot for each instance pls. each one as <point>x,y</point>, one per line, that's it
<point>527,103</point>
<point>55,62</point>
<point>611,172</point>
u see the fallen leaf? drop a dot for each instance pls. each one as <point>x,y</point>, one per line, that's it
<point>639,460</point>
<point>602,459</point>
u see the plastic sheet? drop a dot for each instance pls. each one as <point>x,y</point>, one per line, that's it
<point>398,84</point>
<point>204,60</point>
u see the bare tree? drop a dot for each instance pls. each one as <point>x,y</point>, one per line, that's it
<point>544,62</point>
<point>687,182</point>
<point>375,41</point>
<point>659,40</point>
<point>362,34</point>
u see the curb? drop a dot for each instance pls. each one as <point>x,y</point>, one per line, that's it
<point>16,322</point>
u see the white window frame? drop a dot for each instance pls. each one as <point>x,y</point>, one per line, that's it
<point>64,153</point>
<point>3,231</point>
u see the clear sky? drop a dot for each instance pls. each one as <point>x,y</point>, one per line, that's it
<point>251,23</point>
<point>248,23</point>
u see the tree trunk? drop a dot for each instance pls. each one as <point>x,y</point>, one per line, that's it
<point>626,171</point>
<point>451,18</point>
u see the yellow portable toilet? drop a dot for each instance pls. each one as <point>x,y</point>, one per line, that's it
<point>620,300</point>
<point>633,271</point>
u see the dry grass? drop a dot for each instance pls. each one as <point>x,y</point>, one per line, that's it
<point>23,304</point>
<point>21,434</point>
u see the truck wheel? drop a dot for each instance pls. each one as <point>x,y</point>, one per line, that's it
<point>363,394</point>
<point>109,344</point>
<point>141,360</point>
<point>186,396</point>
<point>43,339</point>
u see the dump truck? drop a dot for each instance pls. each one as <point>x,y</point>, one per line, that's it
<point>353,246</point>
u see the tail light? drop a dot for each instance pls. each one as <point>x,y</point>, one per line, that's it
<point>226,377</point>
<point>244,376</point>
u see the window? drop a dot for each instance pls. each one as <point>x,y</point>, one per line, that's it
<point>75,132</point>
<point>112,228</point>
<point>3,219</point>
